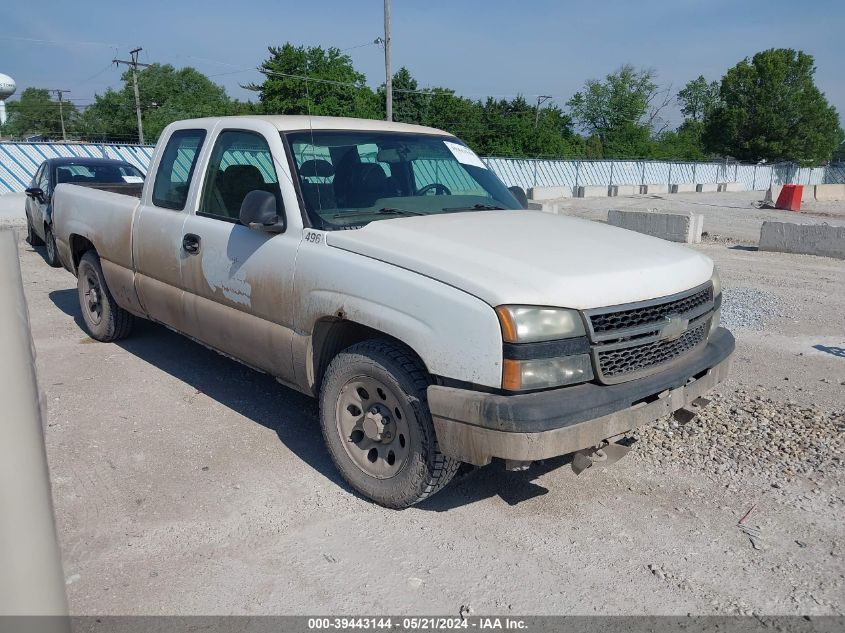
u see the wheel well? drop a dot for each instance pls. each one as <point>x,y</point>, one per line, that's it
<point>78,247</point>
<point>332,335</point>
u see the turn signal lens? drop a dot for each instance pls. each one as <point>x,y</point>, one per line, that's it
<point>522,375</point>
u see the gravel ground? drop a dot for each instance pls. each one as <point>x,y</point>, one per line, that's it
<point>748,434</point>
<point>750,308</point>
<point>186,483</point>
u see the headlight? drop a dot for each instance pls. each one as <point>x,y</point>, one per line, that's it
<point>717,283</point>
<point>522,375</point>
<point>530,324</point>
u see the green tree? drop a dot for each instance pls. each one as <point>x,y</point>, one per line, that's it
<point>36,114</point>
<point>620,111</point>
<point>681,144</point>
<point>167,95</point>
<point>698,98</point>
<point>410,104</point>
<point>771,109</point>
<point>333,88</point>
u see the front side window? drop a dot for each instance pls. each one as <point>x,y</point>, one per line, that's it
<point>173,178</point>
<point>42,181</point>
<point>349,179</point>
<point>240,162</point>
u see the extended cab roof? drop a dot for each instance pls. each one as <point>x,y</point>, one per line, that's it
<point>287,123</point>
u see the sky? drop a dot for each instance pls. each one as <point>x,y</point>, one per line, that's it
<point>478,48</point>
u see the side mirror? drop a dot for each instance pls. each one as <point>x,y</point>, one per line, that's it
<point>260,211</point>
<point>35,192</point>
<point>519,194</point>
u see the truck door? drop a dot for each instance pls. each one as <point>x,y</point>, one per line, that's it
<point>239,281</point>
<point>157,234</point>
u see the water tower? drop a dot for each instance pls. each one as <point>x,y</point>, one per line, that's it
<point>7,89</point>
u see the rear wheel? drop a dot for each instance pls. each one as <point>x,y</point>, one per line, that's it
<point>377,426</point>
<point>52,255</point>
<point>105,320</point>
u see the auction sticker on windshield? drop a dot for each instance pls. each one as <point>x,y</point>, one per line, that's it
<point>464,154</point>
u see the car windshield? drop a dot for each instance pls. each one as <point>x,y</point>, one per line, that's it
<point>351,178</point>
<point>101,173</point>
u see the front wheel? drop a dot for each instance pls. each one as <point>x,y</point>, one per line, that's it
<point>105,320</point>
<point>377,426</point>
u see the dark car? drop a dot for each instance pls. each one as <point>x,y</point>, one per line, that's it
<point>102,173</point>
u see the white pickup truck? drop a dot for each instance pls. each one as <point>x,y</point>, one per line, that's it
<point>382,268</point>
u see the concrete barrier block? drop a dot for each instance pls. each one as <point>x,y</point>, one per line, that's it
<point>707,187</point>
<point>655,188</point>
<point>808,194</point>
<point>772,193</point>
<point>545,207</point>
<point>675,227</point>
<point>807,239</point>
<point>682,187</point>
<point>733,187</point>
<point>827,193</point>
<point>549,193</point>
<point>624,190</point>
<point>593,191</point>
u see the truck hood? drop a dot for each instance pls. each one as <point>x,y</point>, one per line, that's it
<point>531,257</point>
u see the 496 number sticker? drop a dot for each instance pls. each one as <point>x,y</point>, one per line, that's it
<point>313,237</point>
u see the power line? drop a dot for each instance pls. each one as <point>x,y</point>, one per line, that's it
<point>58,42</point>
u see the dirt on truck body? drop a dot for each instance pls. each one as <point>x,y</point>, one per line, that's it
<point>382,268</point>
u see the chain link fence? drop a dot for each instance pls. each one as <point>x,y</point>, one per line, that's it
<point>19,161</point>
<point>540,172</point>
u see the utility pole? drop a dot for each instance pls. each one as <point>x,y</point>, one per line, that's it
<point>134,64</point>
<point>388,73</point>
<point>59,94</point>
<point>541,99</point>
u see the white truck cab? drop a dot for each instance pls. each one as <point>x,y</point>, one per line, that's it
<point>382,268</point>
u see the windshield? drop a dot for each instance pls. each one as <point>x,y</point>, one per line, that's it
<point>99,173</point>
<point>351,178</point>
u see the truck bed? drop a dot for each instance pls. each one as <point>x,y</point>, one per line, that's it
<point>101,214</point>
<point>126,189</point>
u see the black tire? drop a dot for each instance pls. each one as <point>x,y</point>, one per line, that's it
<point>104,319</point>
<point>424,470</point>
<point>31,237</point>
<point>51,255</point>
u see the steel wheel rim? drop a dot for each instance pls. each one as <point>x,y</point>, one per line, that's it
<point>93,296</point>
<point>372,422</point>
<point>51,245</point>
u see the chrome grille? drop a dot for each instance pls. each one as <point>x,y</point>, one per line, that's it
<point>636,339</point>
<point>628,360</point>
<point>656,313</point>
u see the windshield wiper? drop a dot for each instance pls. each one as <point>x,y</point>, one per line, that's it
<point>476,207</point>
<point>392,211</point>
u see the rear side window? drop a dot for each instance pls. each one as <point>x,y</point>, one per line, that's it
<point>173,178</point>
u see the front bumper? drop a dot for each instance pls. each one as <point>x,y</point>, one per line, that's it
<point>474,427</point>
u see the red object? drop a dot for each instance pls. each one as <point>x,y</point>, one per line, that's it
<point>790,197</point>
